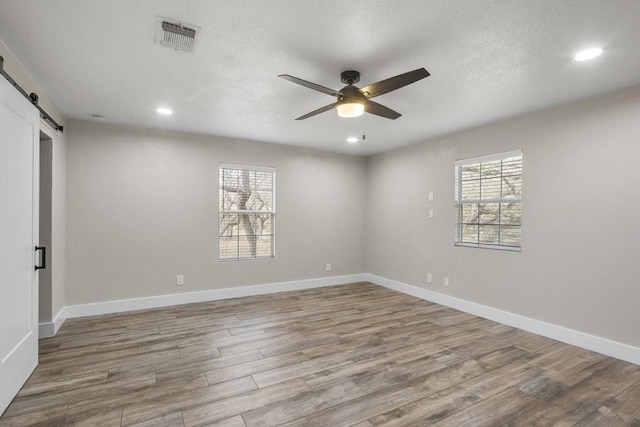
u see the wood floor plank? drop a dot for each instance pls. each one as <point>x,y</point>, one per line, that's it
<point>499,409</point>
<point>493,382</point>
<point>300,422</point>
<point>136,413</point>
<point>360,343</point>
<point>254,367</point>
<point>606,417</point>
<point>305,403</point>
<point>236,421</point>
<point>285,373</point>
<point>173,369</point>
<point>326,377</point>
<point>170,420</point>
<point>545,414</point>
<point>237,405</point>
<point>587,396</point>
<point>627,402</point>
<point>428,410</point>
<point>63,384</point>
<point>391,375</point>
<point>358,355</point>
<point>52,399</point>
<point>95,417</point>
<point>150,393</point>
<point>40,418</point>
<point>360,409</point>
<point>244,343</point>
<point>91,362</point>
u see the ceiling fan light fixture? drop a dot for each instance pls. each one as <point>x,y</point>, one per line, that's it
<point>351,108</point>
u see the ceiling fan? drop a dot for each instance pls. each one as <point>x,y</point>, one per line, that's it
<point>353,101</point>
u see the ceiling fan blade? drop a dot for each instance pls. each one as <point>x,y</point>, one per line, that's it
<point>380,110</point>
<point>318,111</point>
<point>393,83</point>
<point>310,85</point>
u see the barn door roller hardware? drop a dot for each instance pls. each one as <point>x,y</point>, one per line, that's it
<point>32,97</point>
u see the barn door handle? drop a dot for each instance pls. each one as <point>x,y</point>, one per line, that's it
<point>43,258</point>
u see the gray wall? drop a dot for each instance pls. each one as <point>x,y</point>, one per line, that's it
<point>580,260</point>
<point>142,207</point>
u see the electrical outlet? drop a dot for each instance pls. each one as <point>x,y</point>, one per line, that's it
<point>179,280</point>
<point>328,267</point>
<point>446,281</point>
<point>429,278</point>
<point>431,196</point>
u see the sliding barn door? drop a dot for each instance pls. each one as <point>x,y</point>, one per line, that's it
<point>19,151</point>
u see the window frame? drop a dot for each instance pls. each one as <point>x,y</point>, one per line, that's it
<point>222,211</point>
<point>460,202</point>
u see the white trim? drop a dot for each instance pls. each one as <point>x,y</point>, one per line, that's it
<point>601,345</point>
<point>50,329</point>
<point>247,167</point>
<point>489,157</point>
<point>202,296</point>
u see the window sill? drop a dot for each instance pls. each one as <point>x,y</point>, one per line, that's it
<point>259,258</point>
<point>485,246</point>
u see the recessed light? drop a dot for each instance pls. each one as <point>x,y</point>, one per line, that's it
<point>164,110</point>
<point>352,139</point>
<point>585,55</point>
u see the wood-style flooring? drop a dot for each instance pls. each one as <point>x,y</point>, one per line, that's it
<point>353,355</point>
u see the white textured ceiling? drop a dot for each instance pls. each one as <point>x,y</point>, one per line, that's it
<point>488,60</point>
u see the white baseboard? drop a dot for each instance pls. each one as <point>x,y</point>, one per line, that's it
<point>202,296</point>
<point>50,329</point>
<point>601,345</point>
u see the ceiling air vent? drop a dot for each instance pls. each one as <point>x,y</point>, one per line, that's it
<point>176,35</point>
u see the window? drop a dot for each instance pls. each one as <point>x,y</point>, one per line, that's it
<point>489,201</point>
<point>247,212</point>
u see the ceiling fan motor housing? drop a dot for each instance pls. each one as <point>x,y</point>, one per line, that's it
<point>350,77</point>
<point>349,93</point>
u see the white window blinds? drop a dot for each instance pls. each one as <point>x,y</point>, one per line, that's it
<point>247,212</point>
<point>488,198</point>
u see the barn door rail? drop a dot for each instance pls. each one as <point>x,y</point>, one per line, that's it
<point>32,97</point>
